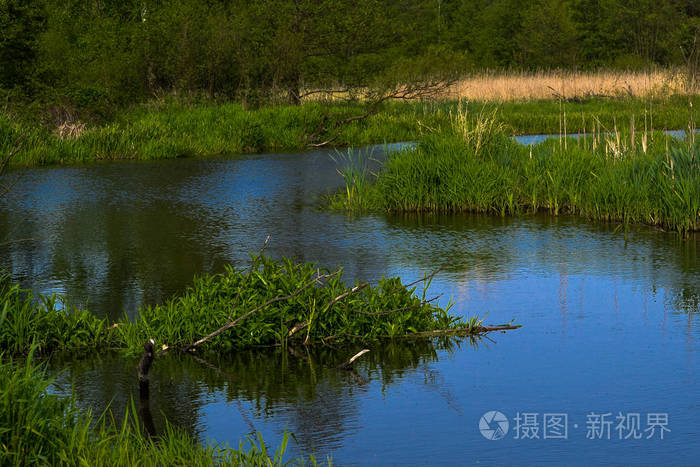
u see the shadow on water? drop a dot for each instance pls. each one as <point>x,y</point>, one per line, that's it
<point>299,384</point>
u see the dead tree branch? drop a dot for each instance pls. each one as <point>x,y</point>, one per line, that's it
<point>331,123</point>
<point>474,330</point>
<point>348,365</point>
<point>396,310</point>
<point>426,278</point>
<point>355,289</point>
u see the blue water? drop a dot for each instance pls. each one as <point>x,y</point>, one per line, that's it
<point>534,139</point>
<point>611,323</point>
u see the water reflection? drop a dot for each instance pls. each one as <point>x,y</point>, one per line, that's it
<point>301,386</point>
<point>118,235</point>
<point>611,320</point>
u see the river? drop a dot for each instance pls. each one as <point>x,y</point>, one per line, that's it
<point>608,349</point>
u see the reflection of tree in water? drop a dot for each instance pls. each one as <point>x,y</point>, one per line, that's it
<point>109,382</point>
<point>302,386</point>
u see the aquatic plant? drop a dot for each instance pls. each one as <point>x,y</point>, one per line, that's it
<point>609,175</point>
<point>274,303</point>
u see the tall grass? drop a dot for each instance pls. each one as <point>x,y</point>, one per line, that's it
<point>611,175</point>
<point>171,129</point>
<point>41,428</point>
<point>387,310</point>
<point>354,167</point>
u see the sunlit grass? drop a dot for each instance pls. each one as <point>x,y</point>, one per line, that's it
<point>630,176</point>
<point>172,129</point>
<point>385,310</point>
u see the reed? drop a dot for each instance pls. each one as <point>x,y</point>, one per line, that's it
<point>547,84</point>
<point>610,175</point>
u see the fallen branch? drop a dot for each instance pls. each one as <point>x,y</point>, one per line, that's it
<point>473,330</point>
<point>348,365</point>
<point>355,289</point>
<point>297,327</point>
<point>233,323</point>
<point>415,91</point>
<point>330,304</point>
<point>426,278</point>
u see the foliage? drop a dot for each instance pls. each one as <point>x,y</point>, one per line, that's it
<point>85,58</point>
<point>386,310</point>
<point>171,128</point>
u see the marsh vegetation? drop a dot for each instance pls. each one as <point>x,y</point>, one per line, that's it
<point>608,174</point>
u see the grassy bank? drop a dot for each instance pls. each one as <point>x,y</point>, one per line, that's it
<point>300,307</point>
<point>41,428</point>
<point>632,176</point>
<point>171,129</point>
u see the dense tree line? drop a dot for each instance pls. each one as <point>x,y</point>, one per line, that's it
<point>85,51</point>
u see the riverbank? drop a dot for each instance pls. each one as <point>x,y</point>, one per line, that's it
<point>169,128</point>
<point>42,428</point>
<point>630,176</point>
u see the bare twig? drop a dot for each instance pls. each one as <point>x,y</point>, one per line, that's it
<point>426,278</point>
<point>235,322</point>
<point>355,289</point>
<point>297,328</point>
<point>420,90</point>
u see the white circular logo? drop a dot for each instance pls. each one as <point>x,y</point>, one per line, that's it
<point>493,425</point>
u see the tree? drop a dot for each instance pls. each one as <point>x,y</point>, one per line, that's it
<point>547,38</point>
<point>21,21</point>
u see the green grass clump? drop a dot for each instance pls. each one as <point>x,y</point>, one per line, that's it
<point>387,310</point>
<point>173,130</point>
<point>473,165</point>
<point>41,428</point>
<point>54,325</point>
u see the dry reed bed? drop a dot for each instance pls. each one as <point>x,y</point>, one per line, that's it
<point>499,86</point>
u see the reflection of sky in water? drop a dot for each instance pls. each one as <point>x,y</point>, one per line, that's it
<point>534,139</point>
<point>609,325</point>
